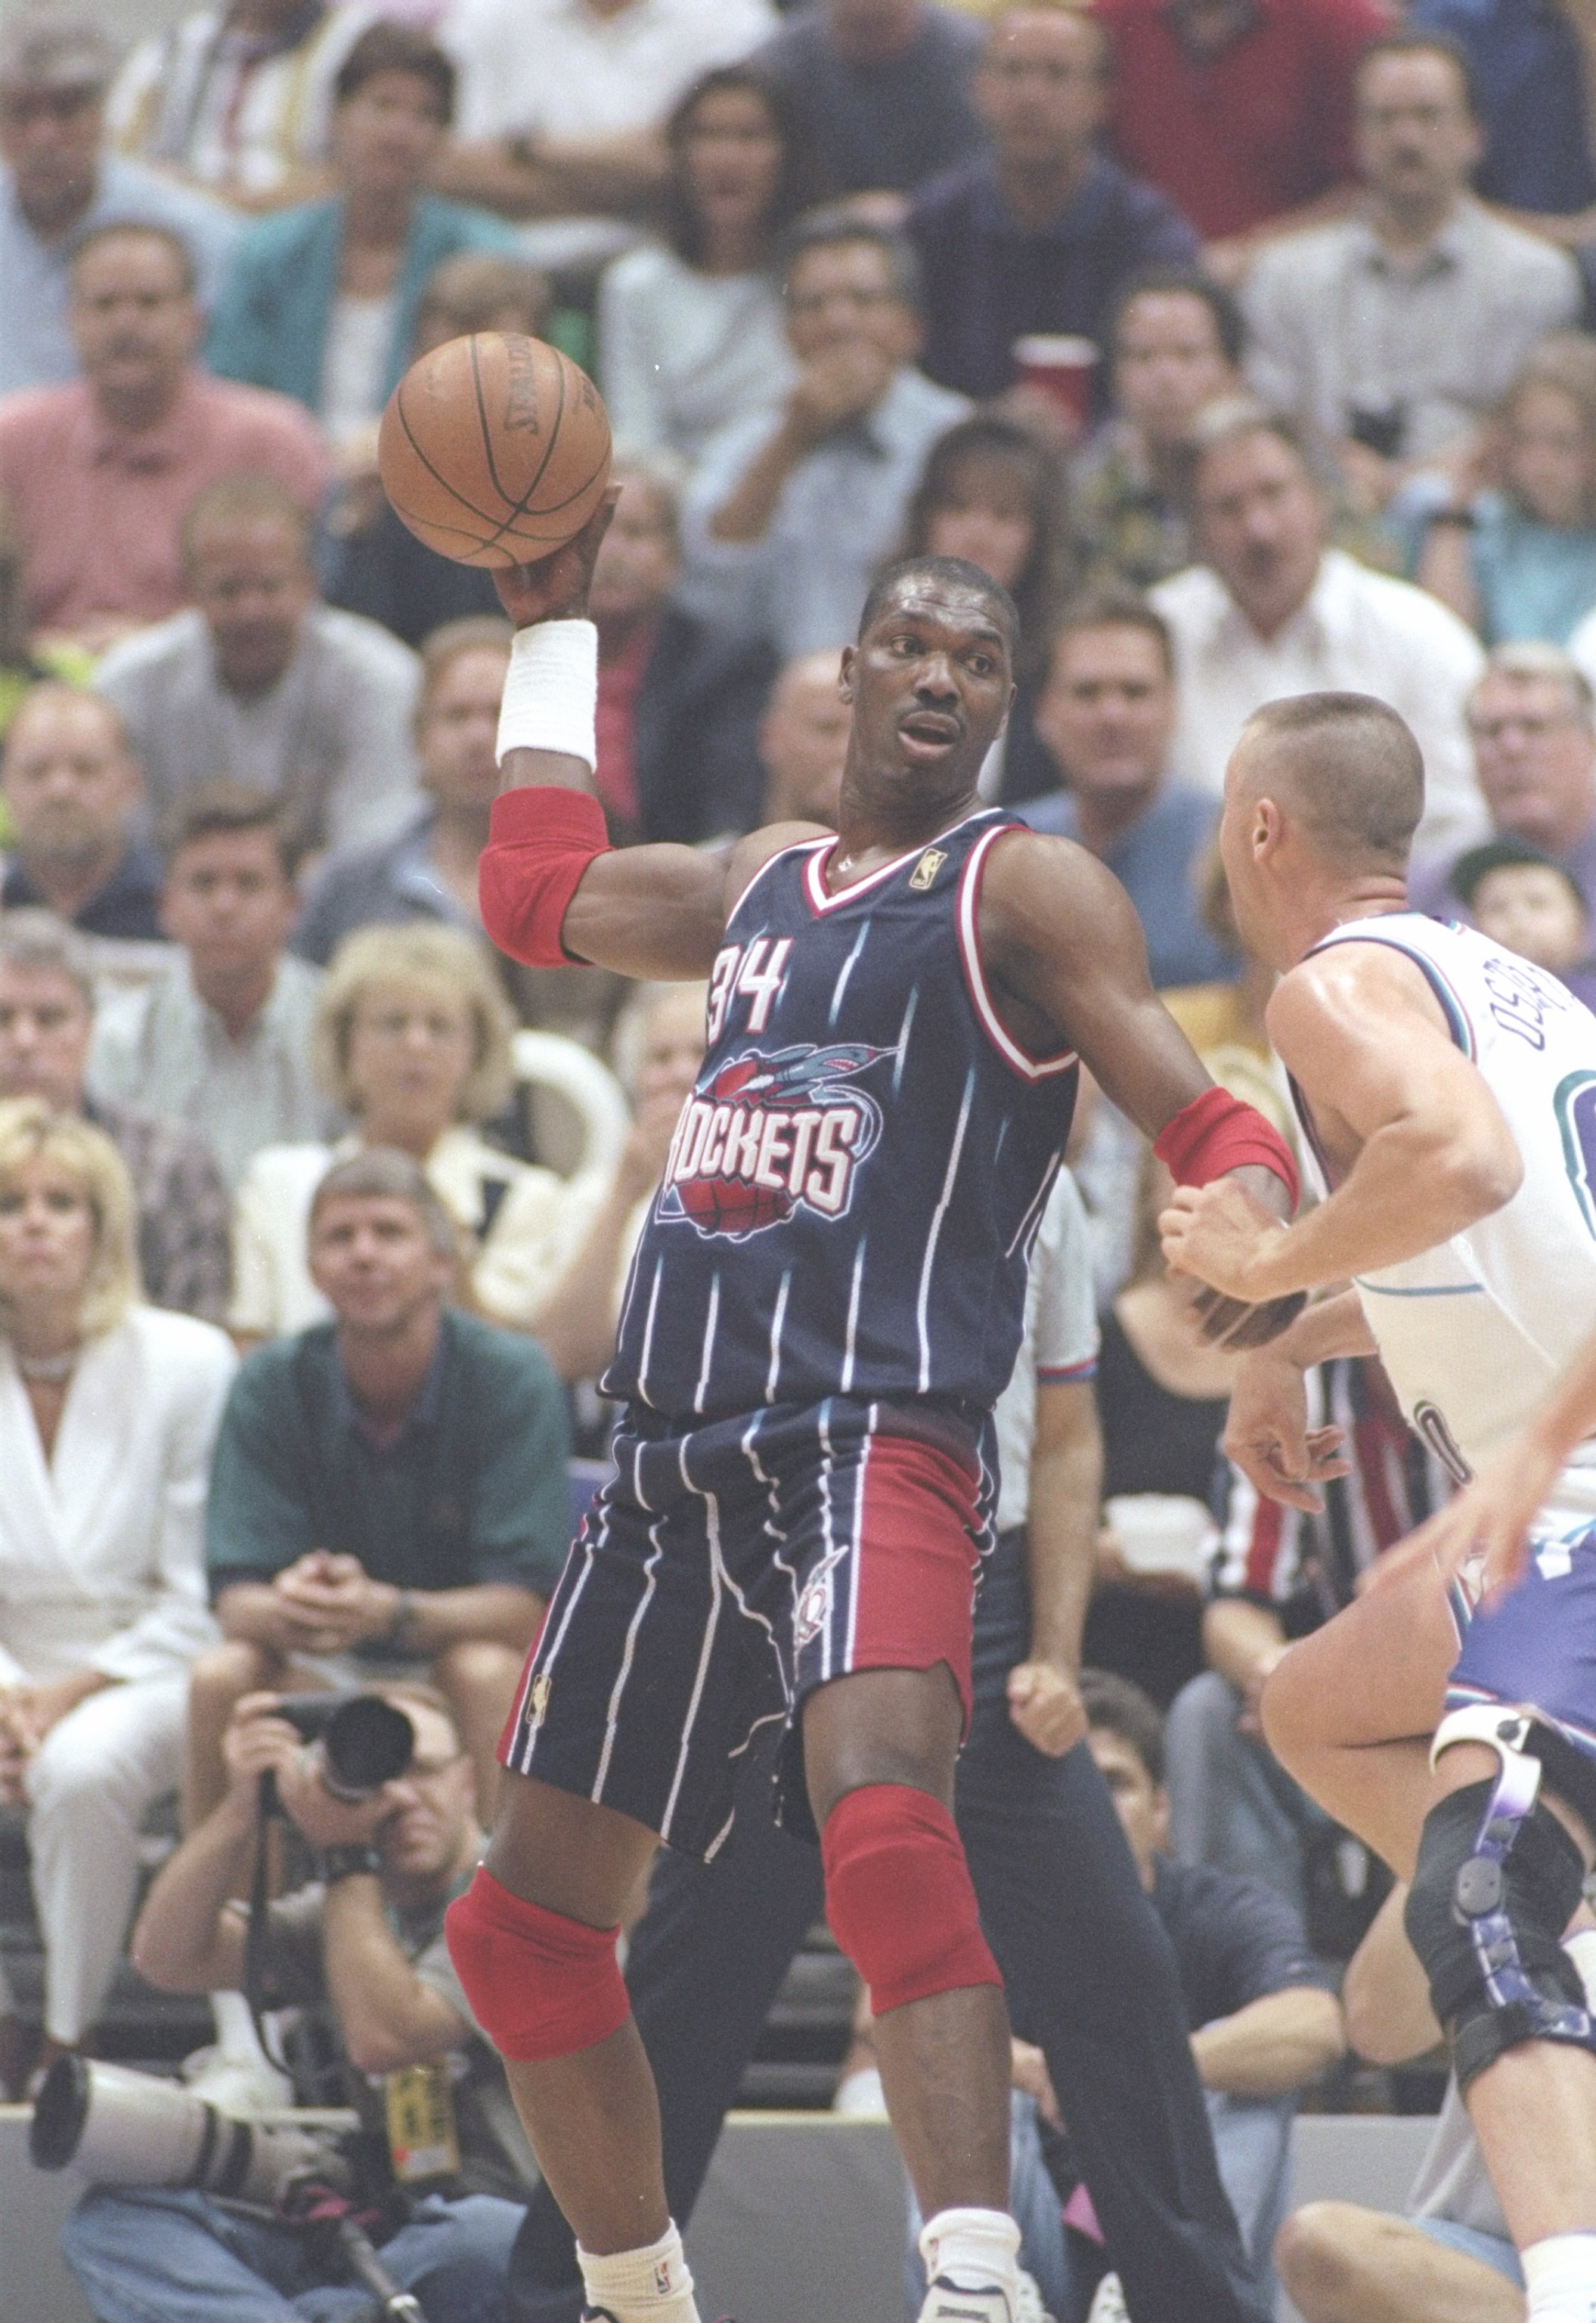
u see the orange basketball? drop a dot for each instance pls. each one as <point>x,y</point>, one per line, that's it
<point>494,449</point>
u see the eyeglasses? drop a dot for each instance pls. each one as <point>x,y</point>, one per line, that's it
<point>428,1770</point>
<point>1528,729</point>
<point>18,106</point>
<point>861,302</point>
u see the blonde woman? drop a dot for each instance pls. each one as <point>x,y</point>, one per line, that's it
<point>108,1411</point>
<point>413,1040</point>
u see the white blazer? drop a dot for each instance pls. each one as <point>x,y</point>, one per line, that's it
<point>102,1549</point>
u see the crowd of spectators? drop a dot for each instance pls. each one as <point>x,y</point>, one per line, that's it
<point>1250,344</point>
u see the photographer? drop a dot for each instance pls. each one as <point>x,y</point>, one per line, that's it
<point>363,1944</point>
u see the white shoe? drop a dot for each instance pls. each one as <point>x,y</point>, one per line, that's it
<point>949,2301</point>
<point>237,2086</point>
<point>1030,2308</point>
<point>1109,2305</point>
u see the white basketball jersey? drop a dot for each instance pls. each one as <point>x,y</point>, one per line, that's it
<point>1474,1332</point>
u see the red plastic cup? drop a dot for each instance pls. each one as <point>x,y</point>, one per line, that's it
<point>1061,368</point>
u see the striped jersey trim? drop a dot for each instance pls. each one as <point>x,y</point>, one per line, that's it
<point>1032,1068</point>
<point>821,897</point>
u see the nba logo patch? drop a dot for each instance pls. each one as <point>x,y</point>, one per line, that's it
<point>663,2284</point>
<point>814,1609</point>
<point>543,1685</point>
<point>927,868</point>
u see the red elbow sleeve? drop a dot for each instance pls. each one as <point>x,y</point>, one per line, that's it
<point>541,839</point>
<point>1217,1132</point>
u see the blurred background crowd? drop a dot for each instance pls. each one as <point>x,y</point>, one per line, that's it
<point>1249,342</point>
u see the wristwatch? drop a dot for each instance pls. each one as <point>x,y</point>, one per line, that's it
<point>398,1633</point>
<point>335,1863</point>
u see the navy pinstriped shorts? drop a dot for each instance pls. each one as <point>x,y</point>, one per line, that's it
<point>723,1573</point>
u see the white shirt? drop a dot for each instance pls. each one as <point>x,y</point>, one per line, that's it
<point>557,68</point>
<point>1059,1344</point>
<point>682,354</point>
<point>228,107</point>
<point>162,1047</point>
<point>355,364</point>
<point>102,1548</point>
<point>838,517</point>
<point>527,1220</point>
<point>1335,322</point>
<point>1357,631</point>
<point>333,738</point>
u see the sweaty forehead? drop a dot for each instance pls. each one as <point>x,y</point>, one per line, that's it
<point>964,614</point>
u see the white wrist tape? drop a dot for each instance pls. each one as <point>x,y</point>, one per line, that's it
<point>551,691</point>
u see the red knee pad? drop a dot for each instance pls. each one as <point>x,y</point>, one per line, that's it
<point>539,1985</point>
<point>899,1898</point>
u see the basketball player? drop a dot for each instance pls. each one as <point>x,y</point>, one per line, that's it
<point>1447,1088</point>
<point>824,1304</point>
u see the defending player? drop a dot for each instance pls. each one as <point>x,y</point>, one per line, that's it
<point>824,1305</point>
<point>1448,1089</point>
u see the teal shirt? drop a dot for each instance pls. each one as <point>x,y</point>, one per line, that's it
<point>474,1489</point>
<point>269,328</point>
<point>1533,580</point>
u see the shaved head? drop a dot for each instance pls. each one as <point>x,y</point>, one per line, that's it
<point>1347,767</point>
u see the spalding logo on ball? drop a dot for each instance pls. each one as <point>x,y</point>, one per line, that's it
<point>494,449</point>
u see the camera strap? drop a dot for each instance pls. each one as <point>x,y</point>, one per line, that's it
<point>256,1931</point>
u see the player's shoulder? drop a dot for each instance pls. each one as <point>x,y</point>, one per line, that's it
<point>747,857</point>
<point>1043,869</point>
<point>1383,965</point>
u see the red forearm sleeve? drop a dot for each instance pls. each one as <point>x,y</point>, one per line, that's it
<point>1216,1133</point>
<point>541,839</point>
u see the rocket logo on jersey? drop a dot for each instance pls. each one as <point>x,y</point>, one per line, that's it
<point>772,1134</point>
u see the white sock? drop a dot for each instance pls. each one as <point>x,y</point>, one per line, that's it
<point>973,2248</point>
<point>1560,2278</point>
<point>641,2286</point>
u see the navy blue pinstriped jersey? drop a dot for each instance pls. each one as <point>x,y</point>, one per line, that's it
<point>855,1184</point>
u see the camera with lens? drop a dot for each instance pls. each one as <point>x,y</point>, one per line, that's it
<point>122,2128</point>
<point>365,1741</point>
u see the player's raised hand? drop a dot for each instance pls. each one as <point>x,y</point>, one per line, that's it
<point>1487,1520</point>
<point>1268,1436</point>
<point>555,588</point>
<point>1046,1707</point>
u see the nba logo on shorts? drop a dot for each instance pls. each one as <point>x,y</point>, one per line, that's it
<point>662,2279</point>
<point>814,1608</point>
<point>767,1135</point>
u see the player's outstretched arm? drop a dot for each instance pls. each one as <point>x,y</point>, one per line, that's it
<point>1361,1034</point>
<point>554,891</point>
<point>1064,953</point>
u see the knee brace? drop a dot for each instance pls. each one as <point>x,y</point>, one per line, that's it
<point>899,1898</point>
<point>539,1985</point>
<point>1498,1881</point>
